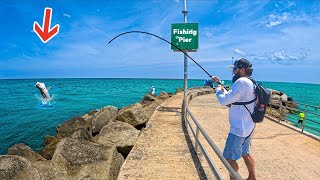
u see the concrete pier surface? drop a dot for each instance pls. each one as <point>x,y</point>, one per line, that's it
<point>164,150</point>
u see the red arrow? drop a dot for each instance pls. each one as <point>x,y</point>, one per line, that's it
<point>43,32</point>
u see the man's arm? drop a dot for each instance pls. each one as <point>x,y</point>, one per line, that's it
<point>232,96</point>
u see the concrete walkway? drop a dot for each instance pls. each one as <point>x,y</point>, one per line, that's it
<point>163,149</point>
<point>279,152</point>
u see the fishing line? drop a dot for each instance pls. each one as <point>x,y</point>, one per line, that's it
<point>165,41</point>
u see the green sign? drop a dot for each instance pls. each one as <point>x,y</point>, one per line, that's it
<point>185,36</point>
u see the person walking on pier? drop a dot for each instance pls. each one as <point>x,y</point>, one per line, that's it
<point>241,124</point>
<point>301,117</point>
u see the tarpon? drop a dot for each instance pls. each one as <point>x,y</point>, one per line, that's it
<point>43,90</point>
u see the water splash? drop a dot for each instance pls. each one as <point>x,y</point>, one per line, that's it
<point>46,103</point>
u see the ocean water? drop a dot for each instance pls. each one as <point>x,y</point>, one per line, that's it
<point>24,120</point>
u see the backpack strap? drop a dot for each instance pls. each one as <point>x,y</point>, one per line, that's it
<point>247,109</point>
<point>244,103</point>
<point>251,132</point>
<point>248,102</point>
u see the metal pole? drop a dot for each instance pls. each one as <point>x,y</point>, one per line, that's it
<point>304,122</point>
<point>281,110</point>
<point>185,100</point>
<point>197,137</point>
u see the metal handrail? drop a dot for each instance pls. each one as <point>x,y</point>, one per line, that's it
<point>213,146</point>
<point>314,129</point>
<point>303,104</point>
<point>208,158</point>
<point>295,109</point>
<point>314,121</point>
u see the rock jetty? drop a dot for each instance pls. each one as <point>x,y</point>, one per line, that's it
<point>280,98</point>
<point>92,146</point>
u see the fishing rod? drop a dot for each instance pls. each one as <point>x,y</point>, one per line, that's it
<point>143,32</point>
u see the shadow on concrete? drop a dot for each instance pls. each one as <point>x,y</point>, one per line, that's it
<point>197,162</point>
<point>169,109</point>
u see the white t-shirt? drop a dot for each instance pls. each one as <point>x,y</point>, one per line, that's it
<point>241,123</point>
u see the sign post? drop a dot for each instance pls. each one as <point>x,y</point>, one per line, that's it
<point>185,37</point>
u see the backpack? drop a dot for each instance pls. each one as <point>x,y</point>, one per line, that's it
<point>262,100</point>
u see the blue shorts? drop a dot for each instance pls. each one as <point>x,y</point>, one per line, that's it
<point>236,147</point>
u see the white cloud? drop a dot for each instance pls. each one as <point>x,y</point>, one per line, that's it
<point>284,5</point>
<point>275,20</point>
<point>241,53</point>
<point>281,56</point>
<point>67,15</point>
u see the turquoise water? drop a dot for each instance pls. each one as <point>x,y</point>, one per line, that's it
<point>22,120</point>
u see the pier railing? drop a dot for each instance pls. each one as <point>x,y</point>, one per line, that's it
<point>196,132</point>
<point>311,117</point>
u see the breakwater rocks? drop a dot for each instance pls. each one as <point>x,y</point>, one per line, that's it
<point>92,146</point>
<point>278,99</point>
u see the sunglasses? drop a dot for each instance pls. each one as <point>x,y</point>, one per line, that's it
<point>234,68</point>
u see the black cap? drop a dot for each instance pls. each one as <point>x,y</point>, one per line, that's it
<point>242,63</point>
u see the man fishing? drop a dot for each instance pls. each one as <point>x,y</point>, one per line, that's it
<point>241,123</point>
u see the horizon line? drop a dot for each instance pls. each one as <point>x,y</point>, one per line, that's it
<point>141,78</point>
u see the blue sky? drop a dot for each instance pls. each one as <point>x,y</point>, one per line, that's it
<point>280,38</point>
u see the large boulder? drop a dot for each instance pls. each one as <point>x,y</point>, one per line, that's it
<point>15,167</point>
<point>103,117</point>
<point>164,95</point>
<point>81,134</point>
<point>276,96</point>
<point>120,134</point>
<point>77,128</point>
<point>44,169</point>
<point>80,159</point>
<point>133,115</point>
<point>150,108</point>
<point>48,151</point>
<point>67,128</point>
<point>86,116</point>
<point>24,151</point>
<point>148,98</point>
<point>284,97</point>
